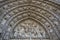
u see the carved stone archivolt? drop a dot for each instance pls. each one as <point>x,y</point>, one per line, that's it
<point>29,20</point>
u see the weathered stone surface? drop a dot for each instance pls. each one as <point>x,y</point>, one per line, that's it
<point>30,19</point>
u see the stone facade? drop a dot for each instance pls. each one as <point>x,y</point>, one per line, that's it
<point>29,20</point>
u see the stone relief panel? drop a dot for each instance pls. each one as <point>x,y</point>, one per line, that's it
<point>30,28</point>
<point>45,12</point>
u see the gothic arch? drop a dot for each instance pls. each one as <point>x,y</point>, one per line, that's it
<point>45,11</point>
